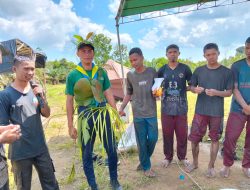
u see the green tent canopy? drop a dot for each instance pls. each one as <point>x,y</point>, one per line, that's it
<point>130,8</point>
<point>133,7</point>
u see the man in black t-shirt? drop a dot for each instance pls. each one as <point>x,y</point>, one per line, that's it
<point>174,105</point>
<point>212,82</point>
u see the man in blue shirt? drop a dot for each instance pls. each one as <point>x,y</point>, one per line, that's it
<point>23,104</point>
<point>239,116</point>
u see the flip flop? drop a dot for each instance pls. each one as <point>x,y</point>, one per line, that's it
<point>190,168</point>
<point>224,172</point>
<point>165,163</point>
<point>246,171</point>
<point>150,173</point>
<point>185,162</point>
<point>211,173</point>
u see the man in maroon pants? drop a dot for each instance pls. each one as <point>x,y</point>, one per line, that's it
<point>212,82</point>
<point>174,105</point>
<point>239,116</point>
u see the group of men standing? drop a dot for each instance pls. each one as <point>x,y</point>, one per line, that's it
<point>22,103</point>
<point>211,82</point>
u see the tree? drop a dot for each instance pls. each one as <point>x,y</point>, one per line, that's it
<point>116,53</point>
<point>158,62</point>
<point>101,43</point>
<point>103,48</point>
<point>57,70</point>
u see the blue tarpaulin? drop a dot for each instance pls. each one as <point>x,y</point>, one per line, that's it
<point>14,47</point>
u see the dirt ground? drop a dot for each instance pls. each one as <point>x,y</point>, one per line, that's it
<point>63,152</point>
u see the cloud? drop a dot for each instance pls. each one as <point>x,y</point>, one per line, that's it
<point>226,26</point>
<point>151,39</point>
<point>113,7</point>
<point>46,24</point>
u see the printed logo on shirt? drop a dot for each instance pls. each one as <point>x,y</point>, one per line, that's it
<point>143,83</point>
<point>181,75</point>
<point>35,101</point>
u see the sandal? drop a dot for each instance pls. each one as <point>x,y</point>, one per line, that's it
<point>211,173</point>
<point>190,168</point>
<point>149,173</point>
<point>246,171</point>
<point>224,172</point>
<point>165,163</point>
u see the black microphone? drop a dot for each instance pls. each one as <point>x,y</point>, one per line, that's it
<point>38,96</point>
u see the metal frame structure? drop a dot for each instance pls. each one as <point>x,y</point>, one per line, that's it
<point>168,7</point>
<point>201,5</point>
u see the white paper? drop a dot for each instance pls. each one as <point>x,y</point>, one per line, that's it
<point>157,83</point>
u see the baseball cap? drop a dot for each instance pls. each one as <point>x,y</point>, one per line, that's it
<point>84,44</point>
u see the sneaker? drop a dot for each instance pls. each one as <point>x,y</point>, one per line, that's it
<point>115,185</point>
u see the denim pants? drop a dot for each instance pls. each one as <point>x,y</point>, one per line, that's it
<point>146,131</point>
<point>45,169</point>
<point>108,141</point>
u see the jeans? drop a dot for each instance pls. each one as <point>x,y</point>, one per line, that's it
<point>108,140</point>
<point>146,131</point>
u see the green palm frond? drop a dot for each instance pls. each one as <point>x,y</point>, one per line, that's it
<point>89,35</point>
<point>78,38</point>
<point>100,125</point>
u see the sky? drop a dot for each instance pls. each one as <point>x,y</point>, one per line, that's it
<point>50,25</point>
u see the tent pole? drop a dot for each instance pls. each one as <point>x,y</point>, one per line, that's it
<point>119,46</point>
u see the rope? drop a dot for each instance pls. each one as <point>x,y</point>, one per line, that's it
<point>189,176</point>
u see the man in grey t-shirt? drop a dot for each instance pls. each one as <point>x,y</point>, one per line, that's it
<point>139,84</point>
<point>212,82</point>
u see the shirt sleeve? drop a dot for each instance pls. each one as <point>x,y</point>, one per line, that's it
<point>230,80</point>
<point>4,109</point>
<point>106,82</point>
<point>129,85</point>
<point>194,78</point>
<point>160,72</point>
<point>69,85</point>
<point>188,75</point>
<point>235,71</point>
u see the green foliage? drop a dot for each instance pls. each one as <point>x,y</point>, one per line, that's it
<point>6,79</point>
<point>101,43</point>
<point>229,61</point>
<point>103,49</point>
<point>158,62</point>
<point>57,71</point>
<point>72,175</point>
<point>116,53</point>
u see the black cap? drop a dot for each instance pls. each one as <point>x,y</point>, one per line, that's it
<point>83,44</point>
